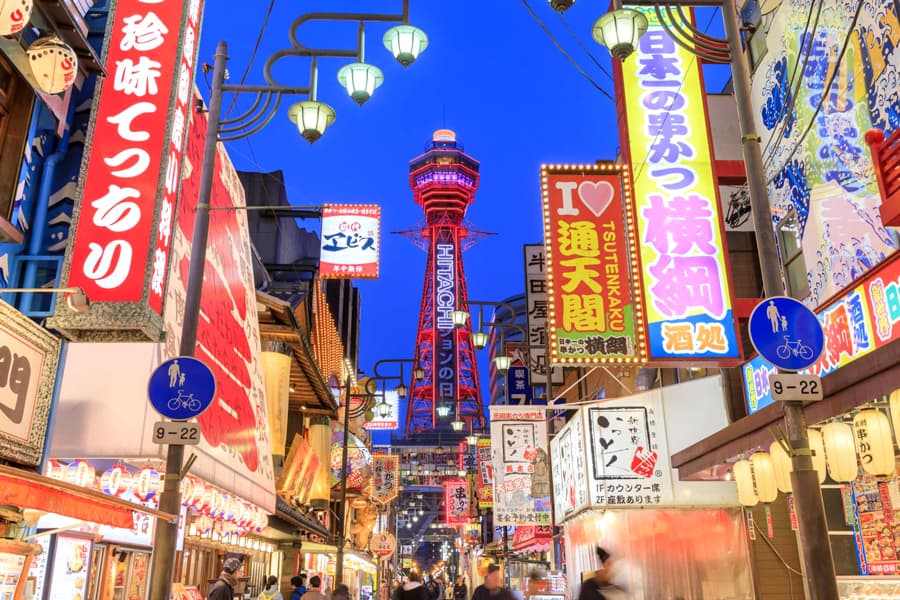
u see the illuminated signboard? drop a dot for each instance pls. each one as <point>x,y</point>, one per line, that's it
<point>682,254</point>
<point>444,349</point>
<point>593,315</point>
<point>385,477</point>
<point>119,253</point>
<point>456,501</point>
<point>865,318</point>
<point>484,478</point>
<point>390,421</point>
<point>350,241</point>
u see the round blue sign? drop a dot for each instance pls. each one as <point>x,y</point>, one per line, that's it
<point>786,333</point>
<point>181,388</point>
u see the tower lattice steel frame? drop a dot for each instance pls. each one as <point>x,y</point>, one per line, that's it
<point>444,180</point>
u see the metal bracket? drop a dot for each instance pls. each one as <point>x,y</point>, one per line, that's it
<point>187,466</point>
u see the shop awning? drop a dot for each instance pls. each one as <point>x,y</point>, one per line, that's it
<point>316,548</point>
<point>30,490</point>
<point>531,538</point>
<point>872,376</point>
<point>286,512</point>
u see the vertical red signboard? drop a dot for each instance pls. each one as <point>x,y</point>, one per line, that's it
<point>121,234</point>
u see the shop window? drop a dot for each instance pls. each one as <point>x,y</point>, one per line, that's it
<point>792,256</point>
<point>16,101</point>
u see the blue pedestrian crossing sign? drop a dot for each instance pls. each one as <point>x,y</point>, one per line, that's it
<point>181,388</point>
<point>786,333</point>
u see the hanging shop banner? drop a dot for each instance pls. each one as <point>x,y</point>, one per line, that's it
<point>864,319</point>
<point>877,527</point>
<point>683,260</point>
<point>350,241</point>
<point>385,477</point>
<point>593,315</point>
<point>521,466</point>
<point>518,386</point>
<point>484,478</point>
<point>467,457</point>
<point>567,455</point>
<point>28,361</point>
<point>300,466</point>
<point>456,501</point>
<point>122,227</point>
<point>391,420</point>
<point>536,312</point>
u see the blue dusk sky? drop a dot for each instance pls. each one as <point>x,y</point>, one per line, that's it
<point>490,73</point>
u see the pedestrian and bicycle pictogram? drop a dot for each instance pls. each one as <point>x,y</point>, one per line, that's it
<point>181,388</point>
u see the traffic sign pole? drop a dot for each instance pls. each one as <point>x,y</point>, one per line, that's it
<point>789,335</point>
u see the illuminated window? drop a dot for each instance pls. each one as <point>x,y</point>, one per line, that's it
<point>792,256</point>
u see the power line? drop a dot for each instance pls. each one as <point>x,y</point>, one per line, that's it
<point>826,91</point>
<point>577,39</point>
<point>259,37</point>
<point>566,54</point>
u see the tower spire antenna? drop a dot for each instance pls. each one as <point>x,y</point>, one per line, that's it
<point>444,180</point>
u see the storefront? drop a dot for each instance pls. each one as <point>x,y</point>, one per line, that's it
<point>614,487</point>
<point>850,431</point>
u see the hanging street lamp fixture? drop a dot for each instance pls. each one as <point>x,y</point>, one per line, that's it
<point>360,80</point>
<point>442,410</point>
<point>406,43</point>
<point>402,391</point>
<point>619,30</point>
<point>479,340</point>
<point>502,363</point>
<point>312,118</point>
<point>460,317</point>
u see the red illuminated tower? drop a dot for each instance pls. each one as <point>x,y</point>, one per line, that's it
<point>444,180</point>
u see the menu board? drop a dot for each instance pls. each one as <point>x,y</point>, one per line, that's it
<point>877,526</point>
<point>10,570</point>
<point>70,568</point>
<point>38,569</point>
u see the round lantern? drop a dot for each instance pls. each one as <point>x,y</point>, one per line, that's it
<point>14,15</point>
<point>743,477</point>
<point>55,470</point>
<point>215,503</point>
<point>146,483</point>
<point>817,447</point>
<point>204,525</point>
<point>895,413</point>
<point>763,477</point>
<point>116,480</point>
<point>187,490</point>
<point>81,473</point>
<point>227,505</point>
<point>781,462</point>
<point>840,452</point>
<point>874,444</point>
<point>53,64</point>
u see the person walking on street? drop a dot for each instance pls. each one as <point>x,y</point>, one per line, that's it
<point>600,586</point>
<point>299,583</point>
<point>413,589</point>
<point>341,592</point>
<point>271,591</point>
<point>315,582</point>
<point>223,588</point>
<point>460,591</point>
<point>492,588</point>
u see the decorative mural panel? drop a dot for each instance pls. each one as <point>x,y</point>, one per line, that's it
<point>829,74</point>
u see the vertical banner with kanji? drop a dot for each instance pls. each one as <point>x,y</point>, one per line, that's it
<point>484,479</point>
<point>536,313</point>
<point>456,501</point>
<point>468,457</point>
<point>567,455</point>
<point>683,260</point>
<point>350,241</point>
<point>385,477</point>
<point>122,227</point>
<point>594,314</point>
<point>521,464</point>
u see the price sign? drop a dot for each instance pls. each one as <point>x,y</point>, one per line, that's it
<point>788,387</point>
<point>176,432</point>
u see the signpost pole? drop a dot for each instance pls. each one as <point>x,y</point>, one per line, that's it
<point>342,507</point>
<point>162,564</point>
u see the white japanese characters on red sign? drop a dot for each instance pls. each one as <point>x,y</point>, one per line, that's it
<point>133,166</point>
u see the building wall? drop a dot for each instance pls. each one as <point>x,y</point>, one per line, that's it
<point>772,579</point>
<point>812,131</point>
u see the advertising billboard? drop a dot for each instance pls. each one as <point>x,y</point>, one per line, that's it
<point>594,315</point>
<point>536,311</point>
<point>122,227</point>
<point>350,241</point>
<point>683,259</point>
<point>521,465</point>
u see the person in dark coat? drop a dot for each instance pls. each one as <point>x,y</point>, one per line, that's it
<point>413,589</point>
<point>600,586</point>
<point>460,591</point>
<point>223,588</point>
<point>492,588</point>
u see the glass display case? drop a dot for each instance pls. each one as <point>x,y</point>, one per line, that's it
<point>868,588</point>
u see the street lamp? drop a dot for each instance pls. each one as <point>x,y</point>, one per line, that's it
<point>418,374</point>
<point>479,340</point>
<point>619,30</point>
<point>442,410</point>
<point>312,118</point>
<point>561,6</point>
<point>401,390</point>
<point>360,80</point>
<point>405,42</point>
<point>818,563</point>
<point>459,318</point>
<point>502,363</point>
<point>383,408</point>
<point>457,424</point>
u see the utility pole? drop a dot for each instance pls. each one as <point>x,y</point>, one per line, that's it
<point>342,506</point>
<point>818,563</point>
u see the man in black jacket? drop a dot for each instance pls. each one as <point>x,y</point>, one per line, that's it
<point>492,588</point>
<point>223,588</point>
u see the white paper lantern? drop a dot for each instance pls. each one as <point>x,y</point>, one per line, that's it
<point>743,477</point>
<point>781,461</point>
<point>840,452</point>
<point>817,447</point>
<point>53,64</point>
<point>14,15</point>
<point>874,444</point>
<point>763,477</point>
<point>895,413</point>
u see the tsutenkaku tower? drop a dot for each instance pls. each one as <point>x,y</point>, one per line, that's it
<point>444,180</point>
